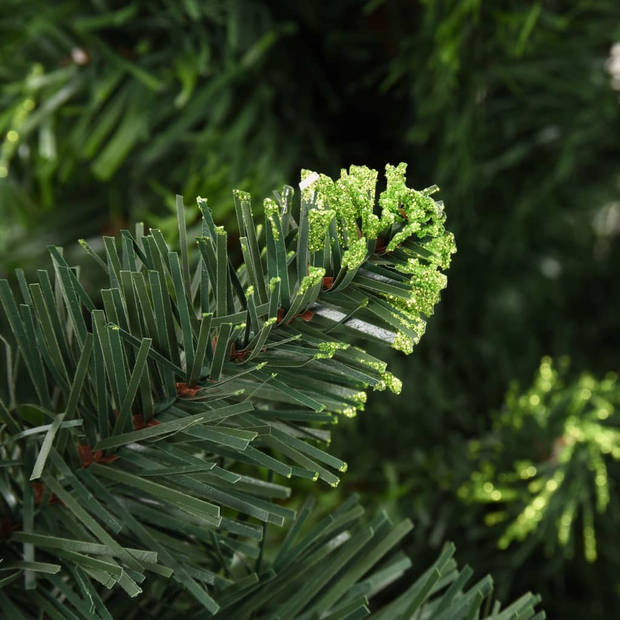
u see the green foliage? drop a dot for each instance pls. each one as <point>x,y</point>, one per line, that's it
<point>511,107</point>
<point>572,433</point>
<point>137,93</point>
<point>523,139</point>
<point>311,572</point>
<point>139,467</point>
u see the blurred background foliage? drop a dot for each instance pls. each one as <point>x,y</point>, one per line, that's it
<point>107,109</point>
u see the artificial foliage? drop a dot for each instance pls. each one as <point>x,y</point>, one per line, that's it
<point>144,442</point>
<point>512,107</point>
<point>555,488</point>
<point>137,98</point>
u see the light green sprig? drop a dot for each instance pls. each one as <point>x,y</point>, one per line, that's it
<point>351,200</point>
<point>573,431</point>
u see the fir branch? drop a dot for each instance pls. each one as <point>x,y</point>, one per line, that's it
<point>539,494</point>
<point>183,394</point>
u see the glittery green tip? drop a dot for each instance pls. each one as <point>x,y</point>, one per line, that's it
<point>328,349</point>
<point>351,200</point>
<point>356,253</point>
<point>318,222</point>
<point>241,195</point>
<point>315,275</point>
<point>393,383</point>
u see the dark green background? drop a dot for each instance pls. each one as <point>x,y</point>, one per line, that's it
<point>511,107</point>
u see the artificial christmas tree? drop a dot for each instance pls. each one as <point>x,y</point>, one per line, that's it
<point>141,442</point>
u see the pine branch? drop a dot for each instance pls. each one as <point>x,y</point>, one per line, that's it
<point>158,414</point>
<point>541,493</point>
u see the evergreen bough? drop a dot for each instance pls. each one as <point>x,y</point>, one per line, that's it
<point>541,495</point>
<point>144,442</point>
